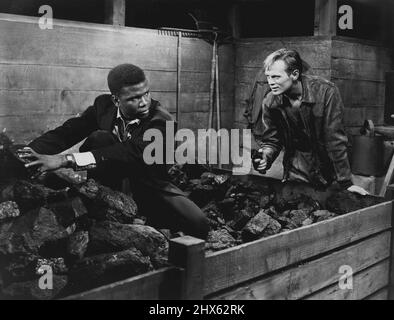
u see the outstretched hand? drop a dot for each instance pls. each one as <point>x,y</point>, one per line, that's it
<point>357,189</point>
<point>261,162</point>
<point>42,161</point>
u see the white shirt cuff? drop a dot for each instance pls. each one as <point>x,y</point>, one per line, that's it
<point>84,159</point>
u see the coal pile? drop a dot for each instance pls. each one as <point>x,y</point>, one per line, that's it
<point>77,231</point>
<point>240,212</point>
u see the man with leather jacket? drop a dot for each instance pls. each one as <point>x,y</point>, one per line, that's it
<point>303,115</point>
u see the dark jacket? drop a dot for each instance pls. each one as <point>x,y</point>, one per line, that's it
<point>101,116</point>
<point>322,114</point>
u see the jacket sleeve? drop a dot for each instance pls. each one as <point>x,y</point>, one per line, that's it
<point>270,141</point>
<point>335,136</point>
<point>130,151</point>
<point>67,135</point>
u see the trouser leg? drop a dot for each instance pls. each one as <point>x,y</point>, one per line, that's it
<point>175,212</point>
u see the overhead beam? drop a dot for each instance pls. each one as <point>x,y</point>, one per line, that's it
<point>115,12</point>
<point>326,15</point>
<point>234,19</point>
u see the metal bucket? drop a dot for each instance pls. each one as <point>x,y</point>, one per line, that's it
<point>368,151</point>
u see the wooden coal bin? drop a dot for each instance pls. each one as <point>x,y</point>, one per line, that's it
<point>347,257</point>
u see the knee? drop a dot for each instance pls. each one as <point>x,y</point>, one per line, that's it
<point>201,227</point>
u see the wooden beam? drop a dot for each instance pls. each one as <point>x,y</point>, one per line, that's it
<point>188,253</point>
<point>234,19</point>
<point>115,12</point>
<point>326,14</point>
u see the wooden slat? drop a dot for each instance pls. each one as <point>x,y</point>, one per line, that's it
<point>364,284</point>
<point>27,44</point>
<point>360,92</point>
<point>351,49</point>
<point>344,68</point>
<point>155,285</point>
<point>379,295</point>
<point>357,116</point>
<point>115,12</point>
<point>257,258</point>
<point>39,77</point>
<point>325,23</point>
<point>305,279</point>
<point>25,103</point>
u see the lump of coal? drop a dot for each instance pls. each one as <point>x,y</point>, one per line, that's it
<point>9,209</point>
<point>78,244</point>
<point>178,177</point>
<point>30,289</point>
<point>28,233</point>
<point>299,216</point>
<point>56,265</point>
<point>68,211</point>
<point>109,236</point>
<point>107,268</point>
<point>321,215</point>
<point>219,240</point>
<point>345,201</point>
<point>18,267</point>
<point>262,225</point>
<point>213,214</point>
<point>30,196</point>
<point>107,204</point>
<point>202,194</point>
<point>63,178</point>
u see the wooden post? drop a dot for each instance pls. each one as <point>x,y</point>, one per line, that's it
<point>326,16</point>
<point>115,12</point>
<point>234,18</point>
<point>391,275</point>
<point>188,253</point>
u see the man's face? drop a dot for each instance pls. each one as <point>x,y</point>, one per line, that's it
<point>278,79</point>
<point>134,101</point>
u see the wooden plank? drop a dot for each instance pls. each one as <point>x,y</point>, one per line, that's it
<point>344,68</point>
<point>250,260</point>
<point>349,49</point>
<point>115,12</point>
<point>365,283</point>
<point>76,46</point>
<point>188,253</point>
<point>387,179</point>
<point>305,279</point>
<point>316,53</point>
<point>39,77</point>
<point>23,103</point>
<point>234,18</point>
<point>357,116</point>
<point>379,295</point>
<point>360,92</point>
<point>155,285</point>
<point>325,17</point>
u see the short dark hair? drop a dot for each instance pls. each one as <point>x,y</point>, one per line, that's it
<point>290,57</point>
<point>124,75</point>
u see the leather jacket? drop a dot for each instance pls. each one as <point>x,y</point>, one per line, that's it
<point>321,112</point>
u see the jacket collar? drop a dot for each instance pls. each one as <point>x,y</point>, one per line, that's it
<point>307,95</point>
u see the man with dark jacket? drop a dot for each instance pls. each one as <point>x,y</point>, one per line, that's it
<point>303,115</point>
<point>114,127</point>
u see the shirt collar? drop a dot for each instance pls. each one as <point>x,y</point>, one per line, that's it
<point>127,122</point>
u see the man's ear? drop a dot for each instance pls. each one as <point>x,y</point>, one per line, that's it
<point>115,100</point>
<point>295,75</point>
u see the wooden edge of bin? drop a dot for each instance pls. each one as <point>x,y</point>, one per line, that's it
<point>250,260</point>
<point>154,285</point>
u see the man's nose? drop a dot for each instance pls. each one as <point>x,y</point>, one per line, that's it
<point>143,101</point>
